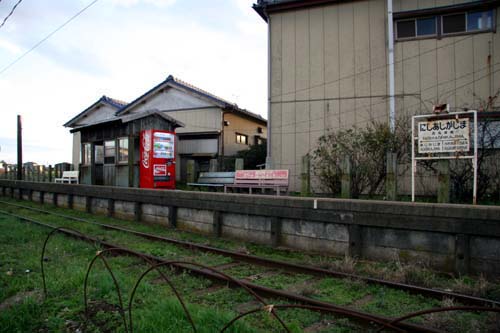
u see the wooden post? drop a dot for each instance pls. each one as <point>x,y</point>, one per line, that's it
<point>443,181</point>
<point>213,165</point>
<point>92,164</point>
<point>190,171</point>
<point>50,173</point>
<point>391,177</point>
<point>346,178</point>
<point>239,164</point>
<point>19,149</point>
<point>131,169</point>
<point>305,184</point>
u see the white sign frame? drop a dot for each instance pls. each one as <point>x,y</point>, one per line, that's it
<point>415,159</point>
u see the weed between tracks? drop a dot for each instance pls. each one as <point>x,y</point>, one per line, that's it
<point>211,306</point>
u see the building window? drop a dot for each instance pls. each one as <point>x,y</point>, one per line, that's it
<point>123,150</point>
<point>86,151</point>
<point>109,152</point>
<point>426,26</point>
<point>454,23</point>
<point>99,154</point>
<point>480,20</point>
<point>421,27</point>
<point>242,138</point>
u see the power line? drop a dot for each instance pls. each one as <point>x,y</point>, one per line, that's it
<point>11,12</point>
<point>47,37</point>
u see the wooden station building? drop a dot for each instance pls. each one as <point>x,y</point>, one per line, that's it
<point>110,147</point>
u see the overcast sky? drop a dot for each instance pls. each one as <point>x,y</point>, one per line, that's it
<point>120,48</point>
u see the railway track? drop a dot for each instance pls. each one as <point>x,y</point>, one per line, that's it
<point>359,316</point>
<point>286,266</point>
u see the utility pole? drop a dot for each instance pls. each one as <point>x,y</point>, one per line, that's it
<point>19,149</point>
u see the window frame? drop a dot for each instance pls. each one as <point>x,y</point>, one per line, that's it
<point>242,136</point>
<point>118,151</point>
<point>442,33</point>
<point>439,25</point>
<point>106,157</point>
<point>86,155</point>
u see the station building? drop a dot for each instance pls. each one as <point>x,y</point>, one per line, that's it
<point>213,128</point>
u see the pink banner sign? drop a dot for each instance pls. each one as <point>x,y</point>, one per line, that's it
<point>261,174</point>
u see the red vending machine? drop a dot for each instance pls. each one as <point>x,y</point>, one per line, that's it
<point>157,166</point>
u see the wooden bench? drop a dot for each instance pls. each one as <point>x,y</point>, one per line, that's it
<point>214,179</point>
<point>68,177</point>
<point>264,179</point>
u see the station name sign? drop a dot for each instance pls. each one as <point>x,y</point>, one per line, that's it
<point>444,136</point>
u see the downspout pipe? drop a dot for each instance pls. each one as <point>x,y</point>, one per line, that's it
<point>390,61</point>
<point>269,160</point>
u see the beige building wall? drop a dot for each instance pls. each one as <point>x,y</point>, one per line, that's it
<point>326,62</point>
<point>202,116</point>
<point>241,125</point>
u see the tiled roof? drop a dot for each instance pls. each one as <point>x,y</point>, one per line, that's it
<point>116,103</point>
<point>113,101</point>
<point>199,90</point>
<point>128,118</point>
<point>171,80</point>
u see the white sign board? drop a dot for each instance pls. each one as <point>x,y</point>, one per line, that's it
<point>444,136</point>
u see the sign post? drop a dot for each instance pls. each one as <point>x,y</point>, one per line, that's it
<point>444,136</point>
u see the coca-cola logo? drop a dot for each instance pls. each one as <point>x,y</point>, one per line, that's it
<point>146,148</point>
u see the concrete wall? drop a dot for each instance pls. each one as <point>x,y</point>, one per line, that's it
<point>453,238</point>
<point>338,52</point>
<point>241,125</point>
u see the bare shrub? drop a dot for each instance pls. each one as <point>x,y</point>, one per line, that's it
<point>367,150</point>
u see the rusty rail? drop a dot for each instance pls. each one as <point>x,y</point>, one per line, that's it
<point>303,269</point>
<point>361,317</point>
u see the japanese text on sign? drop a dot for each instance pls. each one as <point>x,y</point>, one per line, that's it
<point>444,136</point>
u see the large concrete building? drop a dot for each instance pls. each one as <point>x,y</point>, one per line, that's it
<point>329,68</point>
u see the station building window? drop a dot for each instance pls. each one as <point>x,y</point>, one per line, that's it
<point>86,151</point>
<point>242,139</point>
<point>123,150</point>
<point>109,152</point>
<point>444,25</point>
